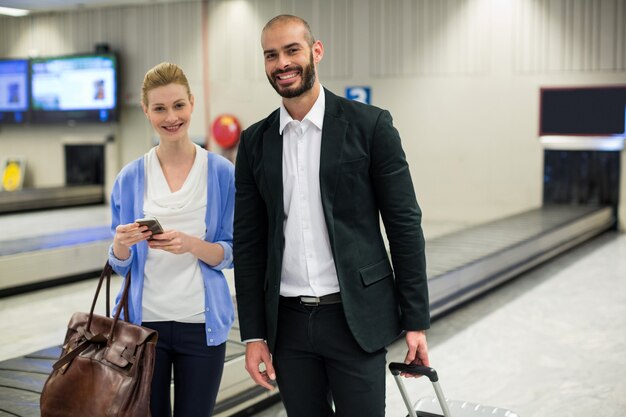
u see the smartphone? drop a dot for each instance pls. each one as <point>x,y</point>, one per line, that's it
<point>153,225</point>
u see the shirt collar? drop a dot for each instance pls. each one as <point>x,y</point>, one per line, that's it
<point>314,116</point>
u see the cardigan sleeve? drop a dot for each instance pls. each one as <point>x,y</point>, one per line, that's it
<point>224,235</point>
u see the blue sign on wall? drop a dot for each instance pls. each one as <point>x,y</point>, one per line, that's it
<point>362,94</point>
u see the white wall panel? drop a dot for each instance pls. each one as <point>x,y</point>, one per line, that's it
<point>569,35</point>
<point>416,37</point>
<point>234,43</point>
<point>235,35</point>
<point>334,27</point>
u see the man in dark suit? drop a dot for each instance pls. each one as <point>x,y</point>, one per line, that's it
<point>317,296</point>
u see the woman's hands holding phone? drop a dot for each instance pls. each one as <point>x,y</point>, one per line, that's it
<point>127,235</point>
<point>173,241</point>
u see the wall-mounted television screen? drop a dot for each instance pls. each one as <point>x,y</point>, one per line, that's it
<point>77,88</point>
<point>13,91</point>
<point>589,111</point>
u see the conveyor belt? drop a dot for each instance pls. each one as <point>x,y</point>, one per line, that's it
<point>36,261</point>
<point>56,240</point>
<point>460,266</point>
<point>50,197</point>
<point>466,263</point>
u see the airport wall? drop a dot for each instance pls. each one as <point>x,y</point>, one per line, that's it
<point>461,78</point>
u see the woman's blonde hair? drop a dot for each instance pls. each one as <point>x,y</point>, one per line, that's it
<point>161,75</point>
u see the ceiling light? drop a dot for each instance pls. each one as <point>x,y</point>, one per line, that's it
<point>13,12</point>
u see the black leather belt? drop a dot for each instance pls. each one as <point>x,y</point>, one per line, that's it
<point>311,301</point>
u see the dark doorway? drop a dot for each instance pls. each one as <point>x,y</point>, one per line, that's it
<point>581,177</point>
<point>84,164</point>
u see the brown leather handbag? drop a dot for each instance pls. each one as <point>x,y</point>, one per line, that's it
<point>106,365</point>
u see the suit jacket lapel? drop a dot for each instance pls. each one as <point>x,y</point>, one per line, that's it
<point>333,138</point>
<point>273,165</point>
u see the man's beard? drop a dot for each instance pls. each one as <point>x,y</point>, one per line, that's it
<point>308,80</point>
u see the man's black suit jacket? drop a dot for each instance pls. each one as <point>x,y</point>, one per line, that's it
<point>363,174</point>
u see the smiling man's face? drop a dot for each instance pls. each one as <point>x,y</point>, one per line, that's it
<point>289,59</point>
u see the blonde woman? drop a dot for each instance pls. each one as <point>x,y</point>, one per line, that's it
<point>177,284</point>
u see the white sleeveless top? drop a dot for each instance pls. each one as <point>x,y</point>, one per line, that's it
<point>173,288</point>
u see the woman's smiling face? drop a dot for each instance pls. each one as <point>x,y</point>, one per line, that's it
<point>169,111</point>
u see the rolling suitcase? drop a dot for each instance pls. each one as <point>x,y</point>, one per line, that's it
<point>439,406</point>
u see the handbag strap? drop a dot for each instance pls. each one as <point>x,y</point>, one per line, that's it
<point>123,306</point>
<point>108,300</point>
<point>107,271</point>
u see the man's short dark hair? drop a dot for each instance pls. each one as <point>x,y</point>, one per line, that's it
<point>284,18</point>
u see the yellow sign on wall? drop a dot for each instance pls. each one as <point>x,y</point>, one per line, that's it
<point>12,174</point>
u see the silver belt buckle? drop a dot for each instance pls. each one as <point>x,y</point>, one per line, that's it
<point>309,301</point>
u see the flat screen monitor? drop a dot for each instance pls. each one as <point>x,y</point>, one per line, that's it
<point>77,88</point>
<point>14,91</point>
<point>584,111</point>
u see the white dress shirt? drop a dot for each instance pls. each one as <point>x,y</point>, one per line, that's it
<point>308,266</point>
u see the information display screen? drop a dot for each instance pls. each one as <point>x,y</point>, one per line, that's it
<point>13,91</point>
<point>584,111</point>
<point>74,88</point>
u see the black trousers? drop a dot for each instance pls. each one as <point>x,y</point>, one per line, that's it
<point>197,370</point>
<point>318,363</point>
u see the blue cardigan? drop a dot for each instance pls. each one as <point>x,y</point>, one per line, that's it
<point>127,205</point>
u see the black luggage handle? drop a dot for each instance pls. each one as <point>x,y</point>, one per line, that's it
<point>397,368</point>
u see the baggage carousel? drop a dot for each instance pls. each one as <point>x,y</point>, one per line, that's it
<point>461,265</point>
<point>50,197</point>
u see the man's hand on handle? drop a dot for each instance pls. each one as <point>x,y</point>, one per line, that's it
<point>417,350</point>
<point>258,353</point>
